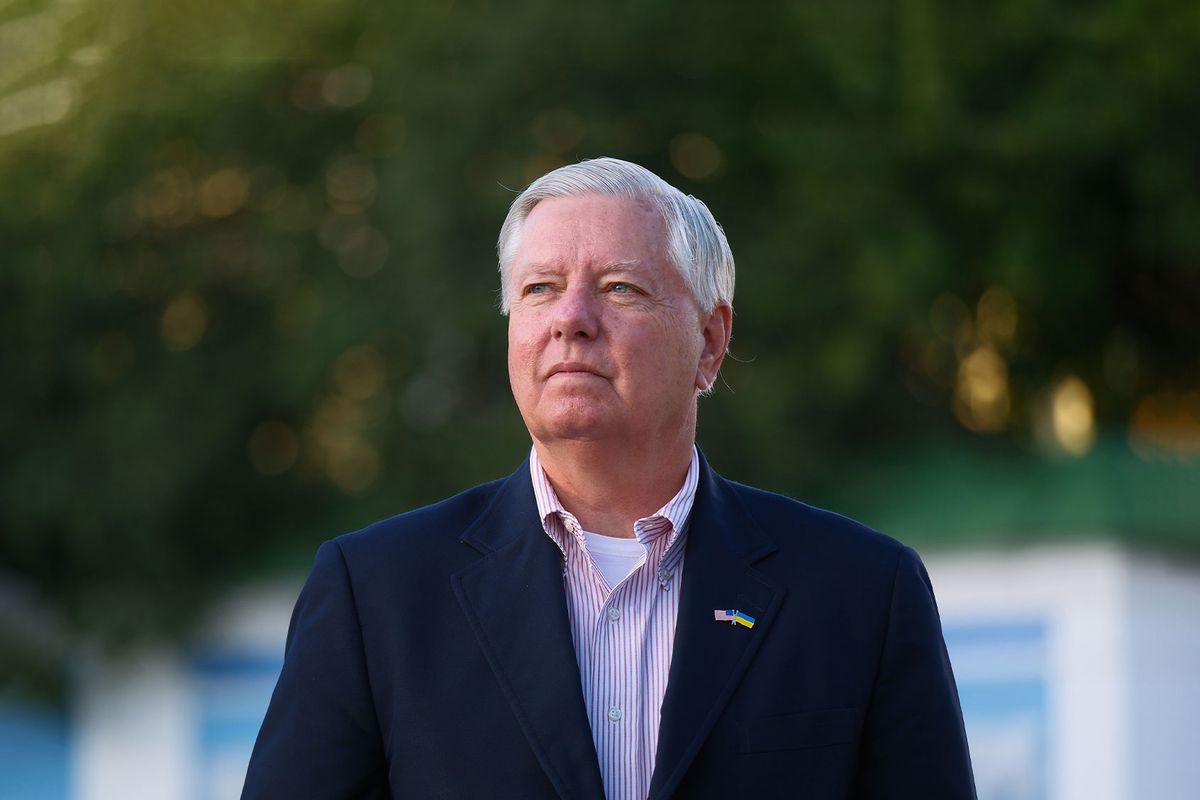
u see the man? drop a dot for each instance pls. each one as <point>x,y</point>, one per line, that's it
<point>614,619</point>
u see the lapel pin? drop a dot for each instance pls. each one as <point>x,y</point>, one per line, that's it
<point>734,617</point>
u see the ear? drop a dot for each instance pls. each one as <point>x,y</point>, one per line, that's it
<point>717,327</point>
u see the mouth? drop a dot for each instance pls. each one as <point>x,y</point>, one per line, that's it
<point>568,369</point>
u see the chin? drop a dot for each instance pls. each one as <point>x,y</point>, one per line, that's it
<point>574,426</point>
<point>575,432</point>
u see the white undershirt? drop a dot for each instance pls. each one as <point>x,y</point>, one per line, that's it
<point>614,557</point>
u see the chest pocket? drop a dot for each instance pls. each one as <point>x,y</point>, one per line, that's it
<point>801,730</point>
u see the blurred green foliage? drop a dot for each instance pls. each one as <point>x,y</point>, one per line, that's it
<point>247,287</point>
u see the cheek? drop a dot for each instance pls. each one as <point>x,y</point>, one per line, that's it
<point>664,360</point>
<point>525,325</point>
<point>518,366</point>
<point>523,356</point>
<point>521,351</point>
<point>679,346</point>
<point>518,338</point>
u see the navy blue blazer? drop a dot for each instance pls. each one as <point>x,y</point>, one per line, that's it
<point>430,656</point>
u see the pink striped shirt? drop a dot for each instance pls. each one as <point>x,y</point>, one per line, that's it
<point>622,634</point>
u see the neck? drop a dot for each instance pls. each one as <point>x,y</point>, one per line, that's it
<point>607,488</point>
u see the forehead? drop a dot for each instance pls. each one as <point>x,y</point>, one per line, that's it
<point>591,228</point>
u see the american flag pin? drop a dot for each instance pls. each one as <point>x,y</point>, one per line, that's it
<point>734,617</point>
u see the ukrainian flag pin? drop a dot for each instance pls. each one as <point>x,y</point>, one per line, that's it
<point>734,617</point>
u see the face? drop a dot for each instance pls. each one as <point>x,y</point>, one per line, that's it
<point>605,342</point>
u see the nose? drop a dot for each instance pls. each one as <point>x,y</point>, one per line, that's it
<point>575,315</point>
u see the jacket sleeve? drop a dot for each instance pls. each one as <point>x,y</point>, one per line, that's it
<point>320,738</point>
<point>914,744</point>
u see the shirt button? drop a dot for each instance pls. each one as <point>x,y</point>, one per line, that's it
<point>614,714</point>
<point>614,614</point>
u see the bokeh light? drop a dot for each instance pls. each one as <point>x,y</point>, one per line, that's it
<point>695,156</point>
<point>1073,416</point>
<point>184,321</point>
<point>981,396</point>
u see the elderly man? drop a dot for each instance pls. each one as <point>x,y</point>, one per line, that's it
<point>614,619</point>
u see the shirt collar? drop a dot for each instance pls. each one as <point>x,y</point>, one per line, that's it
<point>675,511</point>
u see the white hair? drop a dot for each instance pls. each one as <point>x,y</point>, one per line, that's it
<point>696,244</point>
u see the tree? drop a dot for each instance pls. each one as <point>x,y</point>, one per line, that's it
<point>248,291</point>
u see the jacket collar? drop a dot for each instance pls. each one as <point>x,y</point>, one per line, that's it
<point>709,658</point>
<point>514,601</point>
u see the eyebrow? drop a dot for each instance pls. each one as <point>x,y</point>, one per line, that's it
<point>620,266</point>
<point>550,269</point>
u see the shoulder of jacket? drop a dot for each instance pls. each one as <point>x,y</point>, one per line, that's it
<point>792,523</point>
<point>438,522</point>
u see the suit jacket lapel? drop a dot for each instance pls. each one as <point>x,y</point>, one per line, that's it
<point>514,600</point>
<point>710,658</point>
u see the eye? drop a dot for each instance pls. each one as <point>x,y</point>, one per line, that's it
<point>535,288</point>
<point>622,288</point>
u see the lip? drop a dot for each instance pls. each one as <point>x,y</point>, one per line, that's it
<point>573,368</point>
